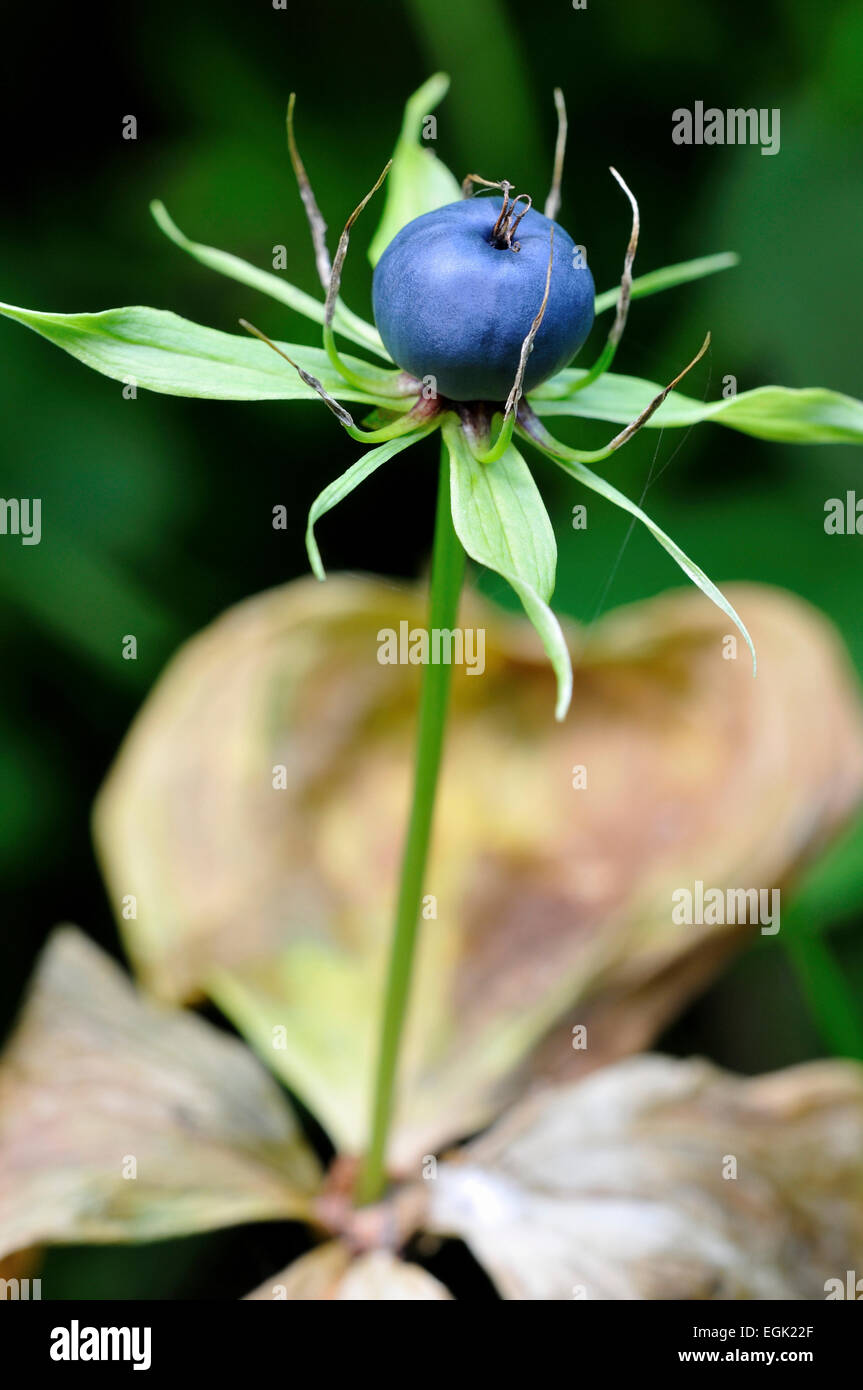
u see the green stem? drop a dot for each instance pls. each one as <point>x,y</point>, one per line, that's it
<point>446,579</point>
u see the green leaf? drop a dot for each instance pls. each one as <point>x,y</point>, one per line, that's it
<point>502,523</point>
<point>828,993</point>
<point>809,416</point>
<point>418,181</point>
<point>163,352</point>
<point>343,486</point>
<point>694,572</point>
<point>348,324</point>
<point>668,277</point>
<point>830,890</point>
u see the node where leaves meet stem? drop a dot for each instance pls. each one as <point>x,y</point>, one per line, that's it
<point>447,573</point>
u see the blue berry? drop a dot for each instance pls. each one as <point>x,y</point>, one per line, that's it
<point>455,302</point>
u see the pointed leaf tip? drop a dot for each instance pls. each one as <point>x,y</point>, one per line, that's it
<point>501,521</point>
<point>419,182</point>
<point>600,485</point>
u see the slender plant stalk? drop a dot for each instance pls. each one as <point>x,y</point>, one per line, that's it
<point>447,572</point>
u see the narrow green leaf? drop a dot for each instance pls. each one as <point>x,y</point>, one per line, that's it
<point>831,999</point>
<point>162,352</point>
<point>694,572</point>
<point>668,277</point>
<point>501,521</point>
<point>343,486</point>
<point>809,416</point>
<point>345,322</point>
<point>418,181</point>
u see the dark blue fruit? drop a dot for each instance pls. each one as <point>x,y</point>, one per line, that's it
<point>451,304</point>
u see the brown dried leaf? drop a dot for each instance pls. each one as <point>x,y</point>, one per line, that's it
<point>94,1077</point>
<point>615,1187</point>
<point>333,1272</point>
<point>550,900</point>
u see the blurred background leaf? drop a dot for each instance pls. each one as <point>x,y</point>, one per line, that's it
<point>256,811</point>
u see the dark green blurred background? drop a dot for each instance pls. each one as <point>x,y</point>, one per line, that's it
<point>157,512</point>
